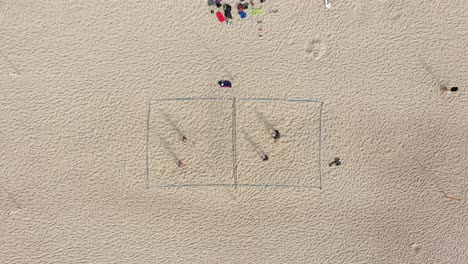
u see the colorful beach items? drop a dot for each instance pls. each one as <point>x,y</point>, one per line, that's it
<point>256,11</point>
<point>220,16</point>
<point>224,10</point>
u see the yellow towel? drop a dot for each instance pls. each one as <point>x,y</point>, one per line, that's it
<point>256,11</point>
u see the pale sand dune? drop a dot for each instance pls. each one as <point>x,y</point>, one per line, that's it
<point>76,81</point>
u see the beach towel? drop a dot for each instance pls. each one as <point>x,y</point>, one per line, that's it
<point>220,16</point>
<point>257,11</point>
<point>242,14</point>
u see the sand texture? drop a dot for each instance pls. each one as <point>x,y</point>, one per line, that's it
<point>90,143</point>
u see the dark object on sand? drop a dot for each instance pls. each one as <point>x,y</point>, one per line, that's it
<point>227,11</point>
<point>245,5</point>
<point>212,2</point>
<point>180,163</point>
<point>265,157</point>
<point>336,161</point>
<point>261,1</point>
<point>277,135</point>
<point>184,139</point>
<point>454,89</point>
<point>218,5</point>
<point>225,84</point>
<point>240,8</point>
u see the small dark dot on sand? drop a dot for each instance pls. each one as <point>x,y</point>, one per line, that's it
<point>454,89</point>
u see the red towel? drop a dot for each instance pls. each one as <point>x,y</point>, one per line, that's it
<point>220,16</point>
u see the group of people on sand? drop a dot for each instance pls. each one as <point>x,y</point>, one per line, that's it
<point>180,163</point>
<point>276,136</point>
<point>224,10</point>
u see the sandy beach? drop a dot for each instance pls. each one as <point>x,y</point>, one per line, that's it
<point>96,97</point>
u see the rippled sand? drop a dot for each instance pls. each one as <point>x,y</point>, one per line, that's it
<point>89,151</point>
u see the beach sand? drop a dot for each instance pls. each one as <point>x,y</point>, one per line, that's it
<point>89,148</point>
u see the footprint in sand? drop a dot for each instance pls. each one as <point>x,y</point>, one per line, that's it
<point>392,9</point>
<point>316,49</point>
<point>416,247</point>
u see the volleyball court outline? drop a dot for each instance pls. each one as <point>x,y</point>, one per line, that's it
<point>234,143</point>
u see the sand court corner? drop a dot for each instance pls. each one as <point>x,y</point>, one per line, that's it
<point>194,142</point>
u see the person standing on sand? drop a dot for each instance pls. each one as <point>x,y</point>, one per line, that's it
<point>186,140</point>
<point>336,162</point>
<point>227,11</point>
<point>276,135</point>
<point>180,163</point>
<point>449,89</point>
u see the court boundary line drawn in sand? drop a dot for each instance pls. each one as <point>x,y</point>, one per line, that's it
<point>147,143</point>
<point>234,143</point>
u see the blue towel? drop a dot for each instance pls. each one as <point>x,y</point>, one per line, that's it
<point>242,14</point>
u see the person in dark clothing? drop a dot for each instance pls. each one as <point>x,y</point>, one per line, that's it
<point>336,161</point>
<point>277,135</point>
<point>454,89</point>
<point>265,157</point>
<point>227,11</point>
